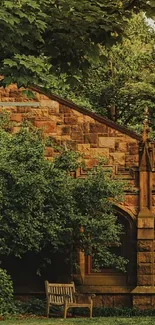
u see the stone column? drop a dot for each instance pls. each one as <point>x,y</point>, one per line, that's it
<point>144,293</point>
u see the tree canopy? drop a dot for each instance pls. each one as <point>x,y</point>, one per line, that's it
<point>50,42</point>
<point>125,85</point>
<point>43,208</point>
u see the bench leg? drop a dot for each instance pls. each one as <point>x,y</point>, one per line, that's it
<point>65,311</point>
<point>91,309</point>
<point>47,309</point>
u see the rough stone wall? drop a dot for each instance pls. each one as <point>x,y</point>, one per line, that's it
<point>113,301</point>
<point>79,131</point>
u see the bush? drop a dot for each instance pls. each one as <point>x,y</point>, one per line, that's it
<point>6,293</point>
<point>115,312</point>
<point>32,306</point>
<point>37,307</point>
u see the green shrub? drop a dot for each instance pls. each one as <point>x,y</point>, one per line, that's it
<point>33,306</point>
<point>115,312</point>
<point>37,307</point>
<point>6,293</point>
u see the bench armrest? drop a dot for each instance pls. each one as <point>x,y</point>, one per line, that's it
<point>89,297</point>
<point>92,296</point>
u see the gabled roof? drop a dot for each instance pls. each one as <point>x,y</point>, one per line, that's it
<point>85,111</point>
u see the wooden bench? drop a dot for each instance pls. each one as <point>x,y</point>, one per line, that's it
<point>59,294</point>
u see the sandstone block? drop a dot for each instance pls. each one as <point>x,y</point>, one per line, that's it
<point>129,139</point>
<point>80,119</point>
<point>118,158</point>
<point>14,93</point>
<point>145,269</point>
<point>120,134</point>
<point>120,145</point>
<point>90,138</point>
<point>53,110</point>
<point>52,104</point>
<point>16,117</point>
<point>51,127</point>
<point>131,159</point>
<point>76,128</point>
<point>85,127</point>
<point>8,99</point>
<point>144,257</point>
<point>145,233</point>
<point>68,114</point>
<point>65,139</point>
<point>91,162</point>
<point>70,144</point>
<point>144,280</point>
<point>146,223</point>
<point>111,132</point>
<point>153,300</point>
<point>64,109</point>
<point>106,142</point>
<point>133,148</point>
<point>85,148</point>
<point>78,114</point>
<point>107,301</point>
<point>145,245</point>
<point>58,119</point>
<point>77,136</point>
<point>98,301</point>
<point>28,111</point>
<point>142,300</point>
<point>16,129</point>
<point>98,128</point>
<point>153,197</point>
<point>66,130</point>
<point>70,120</point>
<point>59,130</point>
<point>38,113</point>
<point>122,301</point>
<point>21,109</point>
<point>43,97</point>
<point>99,152</point>
<point>131,200</point>
<point>47,126</point>
<point>89,119</point>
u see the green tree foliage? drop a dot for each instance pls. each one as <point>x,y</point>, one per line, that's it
<point>6,293</point>
<point>94,198</point>
<point>49,42</point>
<point>126,84</point>
<point>43,208</point>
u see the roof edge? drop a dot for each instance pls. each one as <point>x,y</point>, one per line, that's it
<point>85,111</point>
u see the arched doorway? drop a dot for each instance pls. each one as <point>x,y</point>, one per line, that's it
<point>128,248</point>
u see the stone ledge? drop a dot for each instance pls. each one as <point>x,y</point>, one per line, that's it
<point>144,290</point>
<point>105,289</point>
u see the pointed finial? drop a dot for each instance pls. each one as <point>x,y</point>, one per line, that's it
<point>146,128</point>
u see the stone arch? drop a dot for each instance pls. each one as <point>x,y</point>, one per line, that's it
<point>111,276</point>
<point>125,212</point>
<point>130,240</point>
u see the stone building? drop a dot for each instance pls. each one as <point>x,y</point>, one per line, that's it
<point>131,157</point>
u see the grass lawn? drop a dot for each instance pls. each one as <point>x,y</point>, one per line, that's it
<point>83,321</point>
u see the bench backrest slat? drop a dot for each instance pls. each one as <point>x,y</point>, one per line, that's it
<point>61,289</point>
